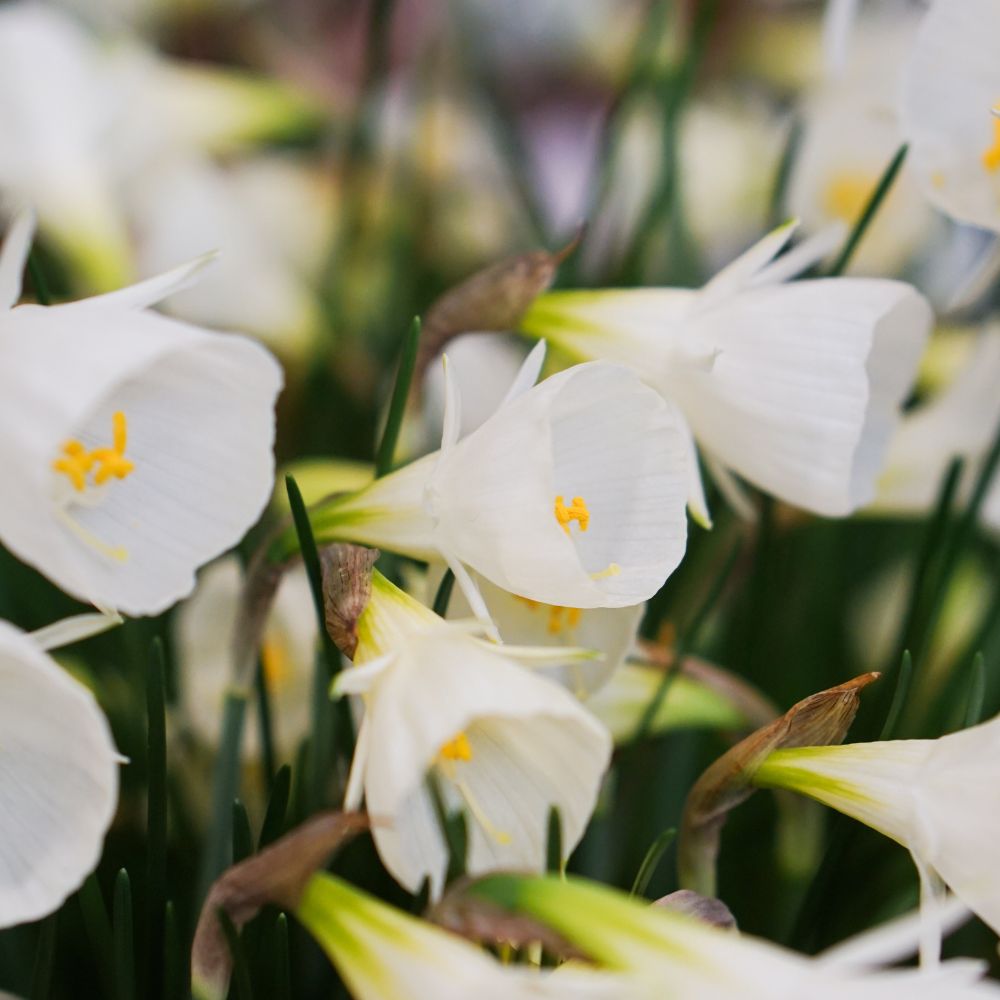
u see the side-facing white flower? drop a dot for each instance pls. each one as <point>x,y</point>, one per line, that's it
<point>795,387</point>
<point>961,421</point>
<point>137,447</point>
<point>205,625</point>
<point>58,779</point>
<point>501,743</point>
<point>935,797</point>
<point>950,99</point>
<point>670,954</point>
<point>571,494</point>
<point>385,954</point>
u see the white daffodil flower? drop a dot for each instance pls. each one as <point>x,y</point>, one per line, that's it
<point>950,100</point>
<point>501,743</point>
<point>58,779</point>
<point>671,954</point>
<point>204,629</point>
<point>138,448</point>
<point>795,387</point>
<point>961,421</point>
<point>935,797</point>
<point>385,954</point>
<point>572,493</point>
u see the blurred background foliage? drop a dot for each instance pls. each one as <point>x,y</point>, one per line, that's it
<point>354,161</point>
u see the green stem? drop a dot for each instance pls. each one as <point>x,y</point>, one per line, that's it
<point>397,406</point>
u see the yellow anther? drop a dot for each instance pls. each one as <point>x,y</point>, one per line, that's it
<point>561,618</point>
<point>991,156</point>
<point>76,461</point>
<point>576,511</point>
<point>457,748</point>
<point>275,663</point>
<point>847,193</point>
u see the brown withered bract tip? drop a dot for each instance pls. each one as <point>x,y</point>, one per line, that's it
<point>821,719</point>
<point>277,875</point>
<point>347,586</point>
<point>494,298</point>
<point>707,909</point>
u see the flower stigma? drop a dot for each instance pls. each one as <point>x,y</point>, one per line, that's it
<point>576,511</point>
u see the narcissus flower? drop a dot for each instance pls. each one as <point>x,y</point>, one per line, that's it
<point>670,954</point>
<point>950,99</point>
<point>935,797</point>
<point>58,779</point>
<point>795,387</point>
<point>571,494</point>
<point>204,642</point>
<point>501,743</point>
<point>138,447</point>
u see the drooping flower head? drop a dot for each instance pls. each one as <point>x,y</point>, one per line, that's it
<point>502,744</point>
<point>58,780</point>
<point>138,447</point>
<point>795,387</point>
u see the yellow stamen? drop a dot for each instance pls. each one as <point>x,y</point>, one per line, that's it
<point>457,748</point>
<point>612,569</point>
<point>991,156</point>
<point>77,462</point>
<point>559,617</point>
<point>576,511</point>
<point>847,193</point>
<point>275,663</point>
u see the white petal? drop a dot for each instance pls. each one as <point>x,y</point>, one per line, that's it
<point>741,271</point>
<point>528,374</point>
<point>452,422</point>
<point>838,20</point>
<point>74,629</point>
<point>807,387</point>
<point>58,781</point>
<point>152,290</point>
<point>951,85</point>
<point>200,418</point>
<point>14,257</point>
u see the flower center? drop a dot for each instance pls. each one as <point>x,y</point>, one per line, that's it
<point>560,618</point>
<point>991,155</point>
<point>576,511</point>
<point>846,194</point>
<point>101,464</point>
<point>457,748</point>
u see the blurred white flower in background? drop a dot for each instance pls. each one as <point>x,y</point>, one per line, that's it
<point>204,636</point>
<point>142,447</point>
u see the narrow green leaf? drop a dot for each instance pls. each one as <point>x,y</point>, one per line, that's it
<point>554,841</point>
<point>776,207</point>
<point>175,962</point>
<point>651,860</point>
<point>242,835</point>
<point>977,691</point>
<point>124,938</point>
<point>902,689</point>
<point>282,963</point>
<point>266,725</point>
<point>217,847</point>
<point>156,813</point>
<point>882,189</point>
<point>98,927</point>
<point>453,830</point>
<point>321,745</point>
<point>386,451</point>
<point>45,953</point>
<point>38,282</point>
<point>277,807</point>
<point>443,596</point>
<point>242,986</point>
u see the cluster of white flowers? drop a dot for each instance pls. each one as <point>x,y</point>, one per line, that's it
<point>139,448</point>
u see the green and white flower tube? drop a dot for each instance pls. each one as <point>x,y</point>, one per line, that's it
<point>58,777</point>
<point>572,493</point>
<point>935,797</point>
<point>794,387</point>
<point>669,954</point>
<point>141,447</point>
<point>385,954</point>
<point>949,102</point>
<point>501,743</point>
